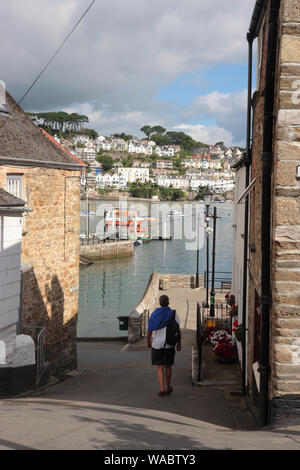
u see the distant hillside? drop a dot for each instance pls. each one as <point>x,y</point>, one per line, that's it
<point>63,124</point>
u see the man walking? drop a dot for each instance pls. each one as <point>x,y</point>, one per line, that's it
<point>162,354</point>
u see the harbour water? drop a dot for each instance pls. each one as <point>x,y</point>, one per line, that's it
<point>113,288</point>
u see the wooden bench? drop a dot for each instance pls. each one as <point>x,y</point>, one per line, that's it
<point>225,285</point>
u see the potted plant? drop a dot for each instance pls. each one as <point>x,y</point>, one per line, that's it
<point>234,311</point>
<point>225,352</point>
<point>224,347</point>
<point>238,331</point>
<point>230,299</point>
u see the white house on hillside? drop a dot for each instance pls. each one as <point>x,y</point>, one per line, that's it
<point>134,174</point>
<point>115,181</point>
<point>165,151</point>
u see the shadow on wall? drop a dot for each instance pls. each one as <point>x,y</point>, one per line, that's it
<point>48,311</point>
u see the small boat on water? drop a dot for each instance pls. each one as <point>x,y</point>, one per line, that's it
<point>91,213</point>
<point>175,214</point>
<point>126,220</point>
<point>145,239</point>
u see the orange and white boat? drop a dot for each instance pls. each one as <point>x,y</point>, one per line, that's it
<point>125,219</point>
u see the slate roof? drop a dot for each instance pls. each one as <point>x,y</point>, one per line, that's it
<point>8,200</point>
<point>21,139</point>
<point>63,148</point>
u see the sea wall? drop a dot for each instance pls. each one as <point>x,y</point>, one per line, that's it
<point>180,281</point>
<point>157,284</point>
<point>107,250</point>
<point>148,302</point>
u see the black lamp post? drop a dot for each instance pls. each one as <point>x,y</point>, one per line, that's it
<point>207,200</point>
<point>197,271</point>
<point>212,292</point>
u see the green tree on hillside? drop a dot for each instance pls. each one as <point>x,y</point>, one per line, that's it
<point>158,130</point>
<point>106,161</point>
<point>62,123</point>
<point>147,130</point>
<point>161,139</point>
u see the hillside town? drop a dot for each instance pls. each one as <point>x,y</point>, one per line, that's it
<point>150,286</point>
<point>140,160</point>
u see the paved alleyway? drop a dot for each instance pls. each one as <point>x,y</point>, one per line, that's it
<point>112,403</point>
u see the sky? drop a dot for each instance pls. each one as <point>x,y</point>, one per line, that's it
<point>181,64</point>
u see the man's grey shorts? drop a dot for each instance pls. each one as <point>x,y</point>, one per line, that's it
<point>163,357</point>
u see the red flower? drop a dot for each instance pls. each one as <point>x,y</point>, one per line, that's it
<point>225,349</point>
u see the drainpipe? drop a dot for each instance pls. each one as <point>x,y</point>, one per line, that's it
<point>267,164</point>
<point>246,216</point>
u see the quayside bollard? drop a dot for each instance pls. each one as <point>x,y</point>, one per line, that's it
<point>134,327</point>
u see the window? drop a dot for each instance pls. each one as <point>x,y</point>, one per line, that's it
<point>14,185</point>
<point>3,107</point>
<point>3,110</point>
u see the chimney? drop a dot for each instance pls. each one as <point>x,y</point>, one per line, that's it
<point>3,107</point>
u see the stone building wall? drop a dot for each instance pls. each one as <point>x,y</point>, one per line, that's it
<point>286,214</point>
<point>254,283</point>
<point>50,256</point>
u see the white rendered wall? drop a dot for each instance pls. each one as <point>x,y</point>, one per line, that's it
<point>10,277</point>
<point>238,245</point>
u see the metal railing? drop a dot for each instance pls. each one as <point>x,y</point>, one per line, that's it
<point>219,278</point>
<point>38,335</point>
<point>200,338</point>
<point>221,320</point>
<point>205,323</point>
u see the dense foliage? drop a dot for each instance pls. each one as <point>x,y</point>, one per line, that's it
<point>160,136</point>
<point>148,190</point>
<point>63,123</point>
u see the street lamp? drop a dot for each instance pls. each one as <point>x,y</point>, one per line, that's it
<point>198,253</point>
<point>208,195</point>
<point>207,200</point>
<point>212,292</point>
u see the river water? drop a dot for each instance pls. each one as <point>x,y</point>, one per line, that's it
<point>113,288</point>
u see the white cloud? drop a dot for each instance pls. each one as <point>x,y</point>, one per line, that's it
<point>228,110</point>
<point>207,134</point>
<point>121,55</point>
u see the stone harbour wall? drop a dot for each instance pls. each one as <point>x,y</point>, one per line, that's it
<point>149,302</point>
<point>180,280</point>
<point>107,250</point>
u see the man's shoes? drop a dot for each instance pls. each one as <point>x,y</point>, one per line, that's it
<point>168,392</point>
<point>161,394</point>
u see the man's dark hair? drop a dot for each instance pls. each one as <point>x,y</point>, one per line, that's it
<point>164,301</point>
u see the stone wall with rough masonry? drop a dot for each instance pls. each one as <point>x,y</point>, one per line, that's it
<point>107,250</point>
<point>285,307</point>
<point>149,302</point>
<point>181,280</point>
<point>50,257</point>
<point>286,215</point>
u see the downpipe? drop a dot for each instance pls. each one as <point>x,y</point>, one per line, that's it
<point>267,166</point>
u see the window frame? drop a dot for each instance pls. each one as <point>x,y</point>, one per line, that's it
<point>13,178</point>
